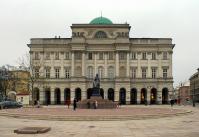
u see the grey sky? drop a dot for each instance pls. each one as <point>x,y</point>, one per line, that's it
<point>21,20</point>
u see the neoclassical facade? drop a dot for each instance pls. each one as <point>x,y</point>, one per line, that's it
<point>131,70</point>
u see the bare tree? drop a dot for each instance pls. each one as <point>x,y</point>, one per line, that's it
<point>5,79</point>
<point>36,76</point>
<point>27,64</point>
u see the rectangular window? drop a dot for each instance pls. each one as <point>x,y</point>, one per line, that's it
<point>143,72</point>
<point>67,73</point>
<point>101,57</point>
<point>47,73</point>
<point>47,57</point>
<point>36,73</point>
<point>67,57</point>
<point>56,55</point>
<point>144,55</point>
<point>57,73</point>
<point>133,55</point>
<point>153,72</point>
<point>122,55</point>
<point>78,55</point>
<point>164,73</point>
<point>90,56</point>
<point>110,56</point>
<point>164,55</point>
<point>153,56</point>
<point>133,72</point>
<point>36,55</point>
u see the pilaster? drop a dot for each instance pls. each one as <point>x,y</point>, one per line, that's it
<point>117,64</point>
<point>72,64</point>
<point>127,65</point>
<point>52,97</point>
<point>105,65</point>
<point>83,64</point>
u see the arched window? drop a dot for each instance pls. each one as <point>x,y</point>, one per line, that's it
<point>110,72</point>
<point>100,34</point>
<point>101,72</point>
<point>90,72</point>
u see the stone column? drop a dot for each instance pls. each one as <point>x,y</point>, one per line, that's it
<point>117,64</point>
<point>170,65</point>
<point>62,95</point>
<point>128,97</point>
<point>105,65</point>
<point>159,97</point>
<point>116,96</point>
<point>105,94</point>
<point>84,95</point>
<point>95,63</point>
<point>52,97</point>
<point>138,96</point>
<point>148,96</point>
<point>72,64</point>
<point>159,65</point>
<point>41,97</point>
<point>149,75</point>
<point>127,65</point>
<point>139,67</point>
<point>72,95</point>
<point>83,64</point>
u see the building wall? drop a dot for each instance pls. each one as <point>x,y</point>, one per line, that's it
<point>123,63</point>
<point>194,86</point>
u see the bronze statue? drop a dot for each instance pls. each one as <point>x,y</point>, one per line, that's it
<point>96,86</point>
<point>96,82</point>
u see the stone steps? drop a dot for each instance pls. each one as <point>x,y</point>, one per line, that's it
<point>91,117</point>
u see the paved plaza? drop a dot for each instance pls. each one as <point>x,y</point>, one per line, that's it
<point>175,126</point>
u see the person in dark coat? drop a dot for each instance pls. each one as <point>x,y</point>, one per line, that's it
<point>74,104</point>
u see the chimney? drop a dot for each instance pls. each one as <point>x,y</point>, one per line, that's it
<point>55,36</point>
<point>59,37</point>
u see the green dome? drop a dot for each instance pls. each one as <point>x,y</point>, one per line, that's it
<point>101,20</point>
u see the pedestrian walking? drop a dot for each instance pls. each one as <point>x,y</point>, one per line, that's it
<point>96,104</point>
<point>171,102</point>
<point>38,104</point>
<point>88,105</point>
<point>74,104</point>
<point>68,103</point>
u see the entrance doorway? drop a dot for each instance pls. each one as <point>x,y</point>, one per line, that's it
<point>165,96</point>
<point>66,95</point>
<point>143,96</point>
<point>47,97</point>
<point>153,97</point>
<point>122,97</point>
<point>57,96</point>
<point>89,93</point>
<point>102,93</point>
<point>78,94</point>
<point>133,96</point>
<point>111,94</point>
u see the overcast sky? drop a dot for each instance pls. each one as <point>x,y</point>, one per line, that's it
<point>21,20</point>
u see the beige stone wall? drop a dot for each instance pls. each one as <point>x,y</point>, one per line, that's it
<point>86,43</point>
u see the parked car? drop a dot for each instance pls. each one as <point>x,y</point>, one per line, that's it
<point>10,104</point>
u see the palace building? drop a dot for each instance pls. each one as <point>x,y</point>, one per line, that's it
<point>131,70</point>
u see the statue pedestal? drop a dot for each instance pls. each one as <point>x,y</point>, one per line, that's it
<point>102,103</point>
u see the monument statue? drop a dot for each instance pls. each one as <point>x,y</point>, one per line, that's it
<point>96,86</point>
<point>96,82</point>
<point>96,100</point>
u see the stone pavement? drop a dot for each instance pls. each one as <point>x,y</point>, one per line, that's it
<point>177,126</point>
<point>127,112</point>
